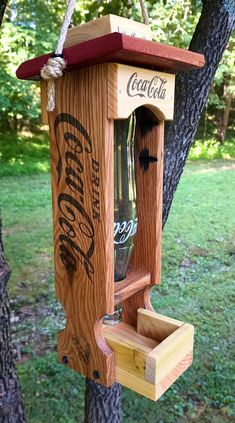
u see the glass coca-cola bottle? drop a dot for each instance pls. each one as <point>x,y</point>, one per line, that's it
<point>125,217</point>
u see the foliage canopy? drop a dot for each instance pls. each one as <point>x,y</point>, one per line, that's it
<point>31,28</point>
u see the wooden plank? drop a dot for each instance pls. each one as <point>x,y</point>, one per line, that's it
<point>44,113</point>
<point>154,325</point>
<point>130,348</point>
<point>134,282</point>
<point>145,367</point>
<point>130,88</point>
<point>149,139</point>
<point>136,384</point>
<point>169,353</point>
<point>147,389</point>
<point>119,48</point>
<point>173,375</point>
<point>82,185</point>
<point>106,25</point>
<point>147,251</point>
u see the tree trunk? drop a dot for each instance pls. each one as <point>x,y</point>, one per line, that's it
<point>3,4</point>
<point>11,406</point>
<point>192,88</point>
<point>103,405</point>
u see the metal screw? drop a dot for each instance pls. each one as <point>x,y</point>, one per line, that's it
<point>65,359</point>
<point>96,374</point>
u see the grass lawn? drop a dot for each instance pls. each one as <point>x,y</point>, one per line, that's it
<point>197,279</point>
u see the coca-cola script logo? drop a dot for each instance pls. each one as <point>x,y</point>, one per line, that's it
<point>154,88</point>
<point>76,236</point>
<point>124,230</point>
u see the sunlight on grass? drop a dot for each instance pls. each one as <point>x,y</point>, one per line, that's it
<point>43,167</point>
<point>210,149</point>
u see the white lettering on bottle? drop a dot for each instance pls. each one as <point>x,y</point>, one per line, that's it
<point>124,230</point>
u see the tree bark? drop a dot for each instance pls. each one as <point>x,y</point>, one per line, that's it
<point>11,406</point>
<point>103,405</point>
<point>192,88</point>
<point>3,4</point>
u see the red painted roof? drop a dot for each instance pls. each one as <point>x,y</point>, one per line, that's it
<point>119,48</point>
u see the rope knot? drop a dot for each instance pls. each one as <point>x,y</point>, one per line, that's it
<point>53,68</point>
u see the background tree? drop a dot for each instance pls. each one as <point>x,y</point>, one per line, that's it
<point>11,406</point>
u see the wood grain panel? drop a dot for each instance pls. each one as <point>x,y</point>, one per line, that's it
<point>130,348</point>
<point>155,325</point>
<point>172,376</point>
<point>147,253</point>
<point>43,93</point>
<point>150,390</point>
<point>130,88</point>
<point>130,306</point>
<point>163,359</point>
<point>106,25</point>
<point>82,185</point>
<point>134,282</point>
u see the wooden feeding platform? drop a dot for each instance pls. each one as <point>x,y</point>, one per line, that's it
<point>106,79</point>
<point>151,356</point>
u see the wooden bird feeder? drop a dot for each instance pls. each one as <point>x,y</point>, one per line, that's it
<point>108,76</point>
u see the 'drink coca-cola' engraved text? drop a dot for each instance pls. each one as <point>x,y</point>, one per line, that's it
<point>124,230</point>
<point>154,88</point>
<point>76,221</point>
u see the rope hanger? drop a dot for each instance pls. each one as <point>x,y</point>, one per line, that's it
<point>56,63</point>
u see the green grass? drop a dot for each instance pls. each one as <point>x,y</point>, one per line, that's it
<point>24,154</point>
<point>197,279</point>
<point>26,209</point>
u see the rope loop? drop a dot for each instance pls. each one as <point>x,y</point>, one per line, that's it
<point>55,65</point>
